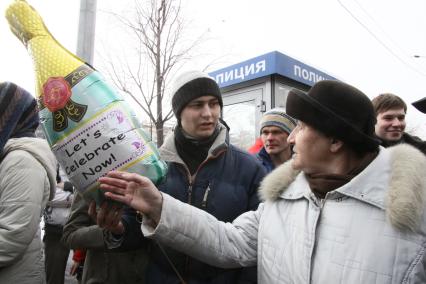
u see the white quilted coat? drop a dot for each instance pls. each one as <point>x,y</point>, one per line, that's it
<point>27,182</point>
<point>371,230</point>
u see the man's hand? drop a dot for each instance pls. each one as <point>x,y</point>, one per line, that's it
<point>108,217</point>
<point>134,190</point>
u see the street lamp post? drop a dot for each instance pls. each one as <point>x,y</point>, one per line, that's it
<point>86,30</point>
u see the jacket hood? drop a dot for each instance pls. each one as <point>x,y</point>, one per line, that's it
<point>404,194</point>
<point>40,150</point>
<point>168,150</point>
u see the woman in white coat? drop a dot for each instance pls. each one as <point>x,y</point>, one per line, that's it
<point>343,210</point>
<point>27,181</point>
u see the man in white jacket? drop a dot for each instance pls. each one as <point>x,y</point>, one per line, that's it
<point>343,210</point>
<point>27,181</point>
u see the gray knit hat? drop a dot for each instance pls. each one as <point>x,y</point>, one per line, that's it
<point>277,117</point>
<point>191,85</point>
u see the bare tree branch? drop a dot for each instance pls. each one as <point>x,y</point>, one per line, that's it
<point>158,30</point>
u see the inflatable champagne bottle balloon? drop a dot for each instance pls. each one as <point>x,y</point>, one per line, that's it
<point>87,123</point>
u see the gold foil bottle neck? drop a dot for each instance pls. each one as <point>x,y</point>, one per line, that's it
<point>50,58</point>
<point>24,21</point>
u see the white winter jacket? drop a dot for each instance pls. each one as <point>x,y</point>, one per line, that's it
<point>27,180</point>
<point>370,230</point>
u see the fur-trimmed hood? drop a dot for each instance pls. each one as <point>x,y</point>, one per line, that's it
<point>402,194</point>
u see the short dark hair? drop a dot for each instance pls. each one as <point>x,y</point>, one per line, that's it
<point>387,101</point>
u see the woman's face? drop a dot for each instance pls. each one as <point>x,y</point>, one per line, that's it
<point>311,148</point>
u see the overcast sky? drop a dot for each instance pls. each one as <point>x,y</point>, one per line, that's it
<point>369,44</point>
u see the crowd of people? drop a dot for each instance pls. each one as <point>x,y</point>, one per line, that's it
<point>334,191</point>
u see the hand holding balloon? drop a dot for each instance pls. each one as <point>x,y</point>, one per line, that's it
<point>107,216</point>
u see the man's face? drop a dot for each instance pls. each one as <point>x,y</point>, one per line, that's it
<point>390,124</point>
<point>199,117</point>
<point>311,148</point>
<point>274,140</point>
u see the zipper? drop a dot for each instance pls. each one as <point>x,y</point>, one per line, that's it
<point>319,202</point>
<point>206,194</point>
<point>186,268</point>
<point>190,192</point>
<point>322,201</point>
<point>190,180</point>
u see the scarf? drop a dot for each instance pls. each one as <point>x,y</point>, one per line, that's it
<point>408,139</point>
<point>322,183</point>
<point>18,113</point>
<point>192,151</point>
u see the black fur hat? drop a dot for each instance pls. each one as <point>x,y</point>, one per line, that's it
<point>337,110</point>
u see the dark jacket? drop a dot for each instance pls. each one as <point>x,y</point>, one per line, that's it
<point>411,140</point>
<point>101,265</point>
<point>265,159</point>
<point>225,185</point>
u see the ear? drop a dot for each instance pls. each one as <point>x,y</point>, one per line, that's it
<point>335,145</point>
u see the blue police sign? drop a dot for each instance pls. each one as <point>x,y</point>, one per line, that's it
<point>268,64</point>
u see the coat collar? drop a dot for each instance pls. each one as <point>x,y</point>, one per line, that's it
<point>169,153</point>
<point>394,181</point>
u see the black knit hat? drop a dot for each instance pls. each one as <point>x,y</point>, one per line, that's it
<point>337,110</point>
<point>420,105</point>
<point>191,85</point>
